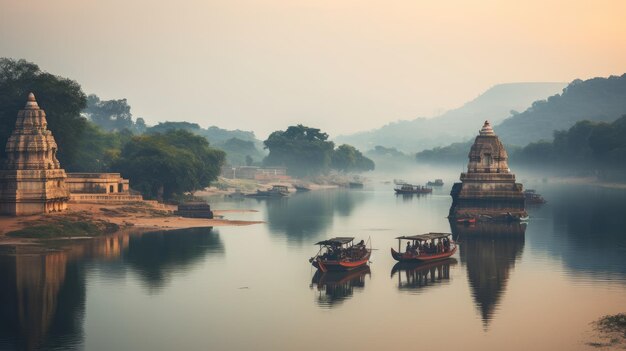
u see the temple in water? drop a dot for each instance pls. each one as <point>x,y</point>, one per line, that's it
<point>488,189</point>
<point>31,178</point>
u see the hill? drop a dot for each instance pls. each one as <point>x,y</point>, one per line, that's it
<point>495,104</point>
<point>595,100</point>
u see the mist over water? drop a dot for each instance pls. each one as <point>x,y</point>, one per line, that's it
<point>245,288</point>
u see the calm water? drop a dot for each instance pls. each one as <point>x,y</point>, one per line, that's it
<point>252,288</point>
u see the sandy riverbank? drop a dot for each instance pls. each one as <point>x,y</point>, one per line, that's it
<point>139,217</point>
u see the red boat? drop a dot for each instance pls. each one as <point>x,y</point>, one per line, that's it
<point>340,254</point>
<point>425,247</point>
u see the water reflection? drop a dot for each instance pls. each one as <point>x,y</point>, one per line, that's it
<point>489,250</point>
<point>157,255</point>
<point>43,290</point>
<point>588,226</point>
<point>414,277</point>
<point>304,217</point>
<point>335,287</point>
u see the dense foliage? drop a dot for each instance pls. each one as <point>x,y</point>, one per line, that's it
<point>595,100</point>
<point>239,145</point>
<point>112,115</point>
<point>165,165</point>
<point>347,158</point>
<point>307,151</point>
<point>61,98</point>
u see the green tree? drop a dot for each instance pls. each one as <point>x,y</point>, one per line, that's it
<point>347,158</point>
<point>303,150</point>
<point>61,98</point>
<point>164,165</point>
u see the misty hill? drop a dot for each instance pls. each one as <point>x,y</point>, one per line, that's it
<point>495,104</point>
<point>596,100</point>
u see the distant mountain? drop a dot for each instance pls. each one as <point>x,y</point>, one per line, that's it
<point>495,104</point>
<point>596,100</point>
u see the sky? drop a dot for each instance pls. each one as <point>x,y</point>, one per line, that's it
<point>339,65</point>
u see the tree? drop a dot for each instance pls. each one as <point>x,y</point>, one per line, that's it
<point>61,98</point>
<point>109,115</point>
<point>164,165</point>
<point>303,150</point>
<point>347,158</point>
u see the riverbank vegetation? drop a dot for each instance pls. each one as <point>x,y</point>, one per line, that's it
<point>307,152</point>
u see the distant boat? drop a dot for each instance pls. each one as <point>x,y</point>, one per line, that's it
<point>437,182</point>
<point>412,189</point>
<point>340,254</point>
<point>355,185</point>
<point>274,191</point>
<point>532,198</point>
<point>301,188</point>
<point>427,249</point>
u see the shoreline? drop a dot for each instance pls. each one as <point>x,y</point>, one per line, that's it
<point>136,217</point>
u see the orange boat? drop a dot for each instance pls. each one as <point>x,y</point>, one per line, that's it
<point>425,247</point>
<point>340,254</point>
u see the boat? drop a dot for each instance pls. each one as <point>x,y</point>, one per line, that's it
<point>274,191</point>
<point>355,185</point>
<point>412,189</point>
<point>340,254</point>
<point>443,248</point>
<point>301,188</point>
<point>437,182</point>
<point>532,198</point>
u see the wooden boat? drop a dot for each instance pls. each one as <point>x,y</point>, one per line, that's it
<point>437,182</point>
<point>340,254</point>
<point>301,188</point>
<point>274,191</point>
<point>440,251</point>
<point>532,198</point>
<point>412,189</point>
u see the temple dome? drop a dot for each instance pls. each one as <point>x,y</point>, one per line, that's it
<point>486,129</point>
<point>31,103</point>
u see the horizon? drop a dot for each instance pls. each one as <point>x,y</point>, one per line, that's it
<point>343,67</point>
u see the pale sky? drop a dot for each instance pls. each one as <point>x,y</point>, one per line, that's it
<point>339,65</point>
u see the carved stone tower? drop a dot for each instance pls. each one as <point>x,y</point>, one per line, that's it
<point>31,178</point>
<point>488,188</point>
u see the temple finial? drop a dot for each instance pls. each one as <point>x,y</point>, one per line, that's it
<point>31,103</point>
<point>487,130</point>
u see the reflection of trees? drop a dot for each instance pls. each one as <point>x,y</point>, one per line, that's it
<point>489,250</point>
<point>157,255</point>
<point>416,276</point>
<point>335,287</point>
<point>42,298</point>
<point>302,217</point>
<point>588,225</point>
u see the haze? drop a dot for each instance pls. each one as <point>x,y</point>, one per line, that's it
<point>339,65</point>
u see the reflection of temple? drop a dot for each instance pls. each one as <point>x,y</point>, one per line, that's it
<point>489,250</point>
<point>43,293</point>
<point>42,299</point>
<point>488,187</point>
<point>416,276</point>
<point>334,287</point>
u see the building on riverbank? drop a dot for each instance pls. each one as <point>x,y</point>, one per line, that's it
<point>31,178</point>
<point>488,189</point>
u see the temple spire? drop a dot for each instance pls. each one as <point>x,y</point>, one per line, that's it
<point>487,130</point>
<point>31,103</point>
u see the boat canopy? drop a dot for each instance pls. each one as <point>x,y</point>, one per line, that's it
<point>340,240</point>
<point>424,237</point>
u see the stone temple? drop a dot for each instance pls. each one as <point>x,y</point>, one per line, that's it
<point>488,189</point>
<point>31,178</point>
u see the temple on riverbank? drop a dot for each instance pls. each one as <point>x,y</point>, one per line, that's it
<point>31,178</point>
<point>488,189</point>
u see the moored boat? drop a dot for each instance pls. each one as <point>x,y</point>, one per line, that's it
<point>425,247</point>
<point>274,191</point>
<point>437,182</point>
<point>532,198</point>
<point>340,254</point>
<point>412,189</point>
<point>301,188</point>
